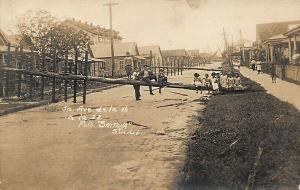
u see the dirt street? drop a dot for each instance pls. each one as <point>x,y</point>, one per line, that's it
<point>52,148</point>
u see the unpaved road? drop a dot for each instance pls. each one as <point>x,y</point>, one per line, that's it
<point>44,149</point>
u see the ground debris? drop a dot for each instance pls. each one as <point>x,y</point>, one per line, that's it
<point>137,124</point>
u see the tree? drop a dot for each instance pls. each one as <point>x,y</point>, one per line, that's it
<point>47,34</point>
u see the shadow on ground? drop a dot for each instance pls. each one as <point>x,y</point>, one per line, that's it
<point>222,151</point>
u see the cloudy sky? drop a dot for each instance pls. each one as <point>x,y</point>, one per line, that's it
<point>168,23</point>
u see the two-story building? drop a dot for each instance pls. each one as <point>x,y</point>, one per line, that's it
<point>97,33</point>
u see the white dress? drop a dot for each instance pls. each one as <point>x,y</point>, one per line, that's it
<point>215,84</point>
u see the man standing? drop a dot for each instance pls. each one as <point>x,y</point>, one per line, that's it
<point>128,69</point>
<point>136,76</point>
<point>273,73</point>
<point>147,75</point>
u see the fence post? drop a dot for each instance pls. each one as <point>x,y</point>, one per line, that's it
<point>43,79</point>
<point>18,66</point>
<point>167,66</point>
<point>5,74</point>
<point>181,67</point>
<point>75,73</point>
<point>178,70</point>
<point>171,67</point>
<point>174,62</point>
<point>85,74</point>
<point>30,76</point>
<point>66,81</point>
<point>53,78</point>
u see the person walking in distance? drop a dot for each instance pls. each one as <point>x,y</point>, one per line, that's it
<point>137,87</point>
<point>258,67</point>
<point>253,63</point>
<point>273,73</point>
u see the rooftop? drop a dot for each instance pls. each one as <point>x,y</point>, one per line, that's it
<point>103,50</point>
<point>90,28</point>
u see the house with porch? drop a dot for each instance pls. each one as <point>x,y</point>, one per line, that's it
<point>293,37</point>
<point>152,54</point>
<point>283,51</point>
<point>125,53</point>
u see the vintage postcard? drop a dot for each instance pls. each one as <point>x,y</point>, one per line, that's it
<point>149,95</point>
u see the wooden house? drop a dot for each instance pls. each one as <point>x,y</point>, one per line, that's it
<point>152,54</point>
<point>124,54</point>
<point>176,56</point>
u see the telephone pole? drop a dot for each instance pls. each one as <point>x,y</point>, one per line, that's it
<point>110,4</point>
<point>242,46</point>
<point>225,41</point>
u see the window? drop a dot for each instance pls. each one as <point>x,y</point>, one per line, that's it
<point>121,64</point>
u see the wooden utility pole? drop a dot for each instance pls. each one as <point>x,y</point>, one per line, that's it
<point>110,4</point>
<point>225,40</point>
<point>242,46</point>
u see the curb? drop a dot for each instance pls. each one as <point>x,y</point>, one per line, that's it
<point>45,102</point>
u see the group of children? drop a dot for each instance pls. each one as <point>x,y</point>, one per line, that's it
<point>217,81</point>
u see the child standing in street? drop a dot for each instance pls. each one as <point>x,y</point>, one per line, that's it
<point>162,79</point>
<point>207,82</point>
<point>198,82</point>
<point>215,82</point>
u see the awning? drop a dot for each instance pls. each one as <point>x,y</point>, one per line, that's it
<point>139,57</point>
<point>96,60</point>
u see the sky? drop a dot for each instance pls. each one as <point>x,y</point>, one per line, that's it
<point>168,23</point>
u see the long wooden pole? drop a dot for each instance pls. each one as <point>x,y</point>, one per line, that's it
<point>98,79</point>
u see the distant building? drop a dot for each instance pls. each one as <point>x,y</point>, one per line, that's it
<point>267,30</point>
<point>154,52</point>
<point>175,57</point>
<point>98,34</point>
<point>125,54</point>
<point>194,56</point>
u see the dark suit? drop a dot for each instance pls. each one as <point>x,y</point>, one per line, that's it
<point>148,78</point>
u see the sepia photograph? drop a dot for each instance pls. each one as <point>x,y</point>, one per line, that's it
<point>150,95</point>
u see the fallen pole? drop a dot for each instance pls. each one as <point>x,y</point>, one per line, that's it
<point>188,68</point>
<point>104,80</point>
